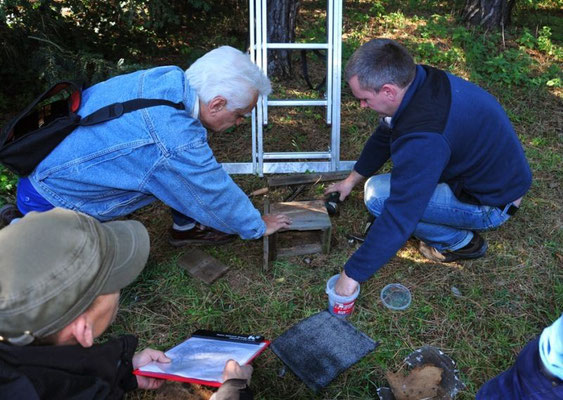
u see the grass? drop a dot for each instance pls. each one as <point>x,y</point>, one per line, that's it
<point>507,297</point>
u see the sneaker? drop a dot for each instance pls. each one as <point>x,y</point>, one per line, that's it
<point>199,235</point>
<point>8,213</point>
<point>476,248</point>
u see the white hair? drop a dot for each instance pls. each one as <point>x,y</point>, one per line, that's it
<point>227,72</point>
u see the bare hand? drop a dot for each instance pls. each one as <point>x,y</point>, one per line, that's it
<point>143,358</point>
<point>343,187</point>
<point>233,370</point>
<point>275,222</point>
<point>346,186</point>
<point>345,286</point>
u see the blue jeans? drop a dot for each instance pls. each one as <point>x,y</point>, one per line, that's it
<point>523,381</point>
<point>447,223</point>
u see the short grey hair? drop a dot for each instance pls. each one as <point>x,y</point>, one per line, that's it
<point>379,62</point>
<point>228,72</point>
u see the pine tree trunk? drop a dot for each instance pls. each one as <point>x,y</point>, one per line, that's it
<point>490,14</point>
<point>282,16</point>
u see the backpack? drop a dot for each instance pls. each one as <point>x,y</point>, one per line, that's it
<point>29,137</point>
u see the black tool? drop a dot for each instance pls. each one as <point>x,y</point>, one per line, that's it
<point>332,203</point>
<point>360,238</point>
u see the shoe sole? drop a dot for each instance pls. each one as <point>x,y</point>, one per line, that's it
<point>453,257</point>
<point>5,207</point>
<point>193,242</point>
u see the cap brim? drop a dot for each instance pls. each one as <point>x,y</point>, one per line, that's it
<point>131,244</point>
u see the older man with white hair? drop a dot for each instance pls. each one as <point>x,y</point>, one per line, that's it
<point>161,152</point>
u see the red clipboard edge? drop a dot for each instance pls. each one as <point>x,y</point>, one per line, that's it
<point>178,378</point>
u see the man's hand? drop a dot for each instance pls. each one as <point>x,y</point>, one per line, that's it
<point>345,286</point>
<point>345,186</point>
<point>143,358</point>
<point>275,222</point>
<point>233,370</point>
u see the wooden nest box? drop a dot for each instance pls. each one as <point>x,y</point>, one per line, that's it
<point>309,233</point>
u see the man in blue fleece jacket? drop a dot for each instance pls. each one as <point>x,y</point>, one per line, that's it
<point>458,166</point>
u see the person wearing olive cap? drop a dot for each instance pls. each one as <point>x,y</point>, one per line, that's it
<point>61,276</point>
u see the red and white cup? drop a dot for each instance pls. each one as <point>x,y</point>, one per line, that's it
<point>340,306</point>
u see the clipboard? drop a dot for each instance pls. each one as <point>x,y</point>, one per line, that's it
<point>201,358</point>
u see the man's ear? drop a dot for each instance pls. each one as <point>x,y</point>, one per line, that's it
<point>82,330</point>
<point>390,92</point>
<point>217,104</point>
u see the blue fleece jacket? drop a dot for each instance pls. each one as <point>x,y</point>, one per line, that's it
<point>477,153</point>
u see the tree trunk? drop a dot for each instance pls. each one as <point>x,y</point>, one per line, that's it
<point>282,16</point>
<point>490,14</point>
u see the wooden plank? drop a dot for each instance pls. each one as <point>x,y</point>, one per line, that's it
<point>305,215</point>
<point>295,179</point>
<point>259,192</point>
<point>202,266</point>
<point>300,250</point>
<point>269,243</point>
<point>325,240</point>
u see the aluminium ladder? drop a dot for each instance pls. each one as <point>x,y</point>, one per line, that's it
<point>281,162</point>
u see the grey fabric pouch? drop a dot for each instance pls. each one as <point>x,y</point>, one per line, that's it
<point>320,347</point>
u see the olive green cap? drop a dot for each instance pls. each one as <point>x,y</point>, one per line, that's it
<point>54,264</point>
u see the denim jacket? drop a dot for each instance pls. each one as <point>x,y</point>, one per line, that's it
<point>114,168</point>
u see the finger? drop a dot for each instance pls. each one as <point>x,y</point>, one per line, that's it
<point>231,364</point>
<point>162,358</point>
<point>152,354</point>
<point>157,383</point>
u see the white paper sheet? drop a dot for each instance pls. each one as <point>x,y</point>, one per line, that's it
<point>203,359</point>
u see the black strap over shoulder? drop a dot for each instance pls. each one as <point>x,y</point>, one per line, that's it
<point>116,110</point>
<point>48,120</point>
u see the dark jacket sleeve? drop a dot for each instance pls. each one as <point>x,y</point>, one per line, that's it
<point>418,162</point>
<point>376,151</point>
<point>63,372</point>
<point>233,389</point>
<point>14,385</point>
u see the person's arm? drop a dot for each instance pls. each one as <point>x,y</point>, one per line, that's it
<point>374,154</point>
<point>193,183</point>
<point>345,186</point>
<point>418,162</point>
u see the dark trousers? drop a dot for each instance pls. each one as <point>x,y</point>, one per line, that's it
<point>524,380</point>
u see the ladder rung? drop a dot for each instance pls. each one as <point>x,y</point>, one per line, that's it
<point>312,155</point>
<point>311,46</point>
<point>281,103</point>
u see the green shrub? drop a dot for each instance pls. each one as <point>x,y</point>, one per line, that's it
<point>8,183</point>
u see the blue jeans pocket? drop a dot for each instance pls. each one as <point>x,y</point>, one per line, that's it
<point>497,217</point>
